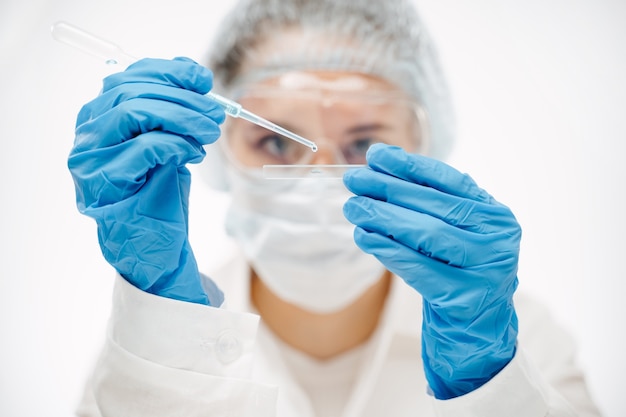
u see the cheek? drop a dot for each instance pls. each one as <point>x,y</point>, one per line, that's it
<point>234,144</point>
<point>411,136</point>
<point>407,130</point>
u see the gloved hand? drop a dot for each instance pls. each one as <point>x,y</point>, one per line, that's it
<point>454,244</point>
<point>128,164</point>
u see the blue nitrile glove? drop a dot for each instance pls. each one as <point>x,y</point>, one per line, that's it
<point>128,164</point>
<point>454,244</point>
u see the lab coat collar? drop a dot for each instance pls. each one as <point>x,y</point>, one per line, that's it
<point>400,322</point>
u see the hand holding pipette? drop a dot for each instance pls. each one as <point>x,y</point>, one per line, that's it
<point>113,54</point>
<point>128,163</point>
<point>129,159</point>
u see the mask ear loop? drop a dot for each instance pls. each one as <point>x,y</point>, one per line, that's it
<point>423,131</point>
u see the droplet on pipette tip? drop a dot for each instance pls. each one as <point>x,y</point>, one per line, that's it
<point>110,61</point>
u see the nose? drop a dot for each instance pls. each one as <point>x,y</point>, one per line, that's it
<point>323,157</point>
<point>326,154</point>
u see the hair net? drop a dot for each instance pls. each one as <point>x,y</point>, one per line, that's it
<point>264,38</point>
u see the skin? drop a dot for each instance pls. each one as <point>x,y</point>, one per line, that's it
<point>334,125</point>
<point>321,336</point>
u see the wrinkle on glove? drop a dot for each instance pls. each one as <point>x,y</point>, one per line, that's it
<point>128,163</point>
<point>454,244</point>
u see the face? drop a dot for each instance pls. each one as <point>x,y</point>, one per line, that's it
<point>343,113</point>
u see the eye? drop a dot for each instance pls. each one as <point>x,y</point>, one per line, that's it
<point>354,152</point>
<point>279,148</point>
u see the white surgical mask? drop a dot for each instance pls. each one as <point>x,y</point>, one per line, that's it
<point>298,242</point>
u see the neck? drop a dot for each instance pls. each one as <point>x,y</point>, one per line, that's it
<point>321,336</point>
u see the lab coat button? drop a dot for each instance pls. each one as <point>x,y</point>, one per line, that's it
<point>228,348</point>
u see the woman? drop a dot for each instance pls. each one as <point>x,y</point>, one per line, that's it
<point>390,292</point>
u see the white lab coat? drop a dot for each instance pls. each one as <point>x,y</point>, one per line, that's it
<point>164,357</point>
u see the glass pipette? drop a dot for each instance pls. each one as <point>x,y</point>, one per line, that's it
<point>114,55</point>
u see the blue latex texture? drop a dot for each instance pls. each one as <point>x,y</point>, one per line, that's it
<point>452,242</point>
<point>128,164</point>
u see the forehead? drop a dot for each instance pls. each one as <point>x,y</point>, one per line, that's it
<point>337,81</point>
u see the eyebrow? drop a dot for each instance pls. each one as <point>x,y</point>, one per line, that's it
<point>367,128</point>
<point>352,131</point>
<point>285,125</point>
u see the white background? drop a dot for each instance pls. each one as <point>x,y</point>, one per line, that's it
<point>540,91</point>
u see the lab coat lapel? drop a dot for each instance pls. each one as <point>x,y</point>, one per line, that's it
<point>400,322</point>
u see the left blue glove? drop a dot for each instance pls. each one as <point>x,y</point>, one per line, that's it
<point>129,168</point>
<point>453,243</point>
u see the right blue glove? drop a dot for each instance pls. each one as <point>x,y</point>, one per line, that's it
<point>453,243</point>
<point>128,164</point>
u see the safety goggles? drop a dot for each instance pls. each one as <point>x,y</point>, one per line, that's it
<point>344,117</point>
